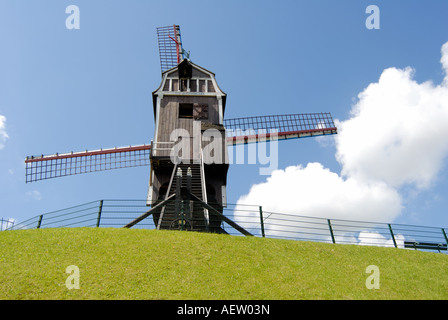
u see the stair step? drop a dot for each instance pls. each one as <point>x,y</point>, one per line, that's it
<point>195,220</point>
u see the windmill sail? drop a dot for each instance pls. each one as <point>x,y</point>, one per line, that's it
<point>238,131</point>
<point>59,165</point>
<point>278,127</point>
<point>170,46</point>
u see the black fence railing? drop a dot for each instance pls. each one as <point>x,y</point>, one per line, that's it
<point>251,218</point>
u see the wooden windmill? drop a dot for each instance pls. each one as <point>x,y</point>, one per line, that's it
<point>188,156</point>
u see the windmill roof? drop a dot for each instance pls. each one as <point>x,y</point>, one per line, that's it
<point>166,72</point>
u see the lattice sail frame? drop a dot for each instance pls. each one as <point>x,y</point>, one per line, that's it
<point>59,165</point>
<point>238,131</point>
<point>170,46</point>
<point>279,127</point>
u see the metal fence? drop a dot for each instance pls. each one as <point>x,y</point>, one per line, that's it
<point>260,223</point>
<point>6,223</point>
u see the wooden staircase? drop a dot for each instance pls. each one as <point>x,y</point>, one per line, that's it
<point>184,212</point>
<point>196,179</point>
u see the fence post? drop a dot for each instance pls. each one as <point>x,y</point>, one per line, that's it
<point>7,224</point>
<point>100,210</point>
<point>40,221</point>
<point>392,234</point>
<point>444,234</point>
<point>331,231</point>
<point>261,221</point>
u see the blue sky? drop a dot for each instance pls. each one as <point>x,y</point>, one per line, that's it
<point>69,90</point>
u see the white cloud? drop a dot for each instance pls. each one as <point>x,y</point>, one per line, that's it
<point>397,133</point>
<point>373,238</point>
<point>395,137</point>
<point>35,195</point>
<point>316,191</point>
<point>3,134</point>
<point>444,62</point>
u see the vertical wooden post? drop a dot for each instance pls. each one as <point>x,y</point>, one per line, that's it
<point>392,234</point>
<point>331,231</point>
<point>262,222</point>
<point>444,234</point>
<point>179,197</point>
<point>40,221</point>
<point>188,199</point>
<point>100,210</point>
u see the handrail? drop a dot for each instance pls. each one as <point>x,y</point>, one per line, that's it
<point>204,189</point>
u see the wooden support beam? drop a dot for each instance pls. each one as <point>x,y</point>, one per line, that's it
<point>149,212</point>
<point>213,211</point>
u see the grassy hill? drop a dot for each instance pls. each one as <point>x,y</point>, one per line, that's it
<point>150,264</point>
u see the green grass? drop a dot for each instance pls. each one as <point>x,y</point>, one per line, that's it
<point>150,264</point>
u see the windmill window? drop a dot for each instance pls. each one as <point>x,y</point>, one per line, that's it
<point>189,85</point>
<point>202,86</point>
<point>186,110</point>
<point>193,85</point>
<point>200,111</point>
<point>210,87</point>
<point>184,85</point>
<point>166,86</point>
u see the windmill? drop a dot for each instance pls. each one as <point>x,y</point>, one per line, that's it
<point>188,156</point>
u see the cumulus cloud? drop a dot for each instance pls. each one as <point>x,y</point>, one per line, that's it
<point>316,191</point>
<point>397,132</point>
<point>372,238</point>
<point>395,137</point>
<point>444,62</point>
<point>3,134</point>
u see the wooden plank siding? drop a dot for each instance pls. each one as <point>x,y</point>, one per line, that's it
<point>169,118</point>
<point>199,91</point>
